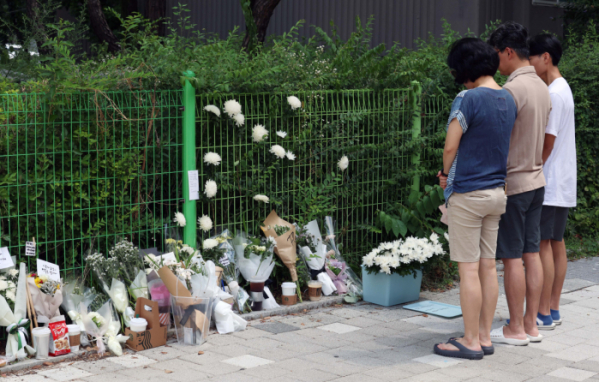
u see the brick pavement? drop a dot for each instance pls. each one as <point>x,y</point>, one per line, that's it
<point>361,343</point>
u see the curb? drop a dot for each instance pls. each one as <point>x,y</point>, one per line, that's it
<point>30,363</point>
<point>297,308</point>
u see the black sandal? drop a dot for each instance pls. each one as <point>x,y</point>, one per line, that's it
<point>462,352</point>
<point>487,350</point>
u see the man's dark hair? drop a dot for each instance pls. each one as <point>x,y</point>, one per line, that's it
<point>470,58</point>
<point>510,35</point>
<point>546,43</point>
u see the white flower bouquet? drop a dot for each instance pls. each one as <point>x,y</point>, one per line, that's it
<point>255,261</point>
<point>46,296</point>
<point>8,286</point>
<point>313,251</point>
<point>337,267</point>
<point>103,326</point>
<point>73,295</point>
<point>403,257</point>
<point>15,320</point>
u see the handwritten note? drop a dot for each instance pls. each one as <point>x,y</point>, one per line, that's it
<point>194,185</point>
<point>30,248</point>
<point>224,261</point>
<point>48,269</point>
<point>5,259</point>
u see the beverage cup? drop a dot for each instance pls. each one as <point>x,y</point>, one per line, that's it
<point>74,337</point>
<point>41,340</point>
<point>315,290</point>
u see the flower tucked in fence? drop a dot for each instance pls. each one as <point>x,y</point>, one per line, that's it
<point>343,163</point>
<point>239,119</point>
<point>261,198</point>
<point>290,155</point>
<point>212,158</point>
<point>210,189</point>
<point>205,223</point>
<point>294,102</point>
<point>232,108</point>
<point>212,109</point>
<point>279,151</point>
<point>259,133</point>
<point>180,219</point>
<point>281,134</point>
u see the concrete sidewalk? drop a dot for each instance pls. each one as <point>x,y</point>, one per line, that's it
<point>363,343</point>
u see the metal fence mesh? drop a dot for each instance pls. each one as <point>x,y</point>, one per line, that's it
<point>81,170</point>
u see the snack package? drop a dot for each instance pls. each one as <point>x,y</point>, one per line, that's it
<point>59,343</point>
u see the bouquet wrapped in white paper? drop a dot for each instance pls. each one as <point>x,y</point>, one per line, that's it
<point>73,295</point>
<point>337,267</point>
<point>16,321</point>
<point>314,252</point>
<point>103,326</point>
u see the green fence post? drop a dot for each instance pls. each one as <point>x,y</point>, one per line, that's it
<point>416,100</point>
<point>189,158</point>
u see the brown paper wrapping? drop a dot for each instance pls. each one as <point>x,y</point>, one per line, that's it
<point>177,289</point>
<point>286,247</point>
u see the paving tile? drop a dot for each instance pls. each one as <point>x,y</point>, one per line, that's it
<point>28,378</point>
<point>163,353</point>
<point>277,327</point>
<point>347,313</point>
<point>587,365</point>
<point>358,378</point>
<point>240,376</point>
<point>438,361</point>
<point>251,333</point>
<point>432,376</point>
<point>315,375</point>
<point>339,368</point>
<point>263,343</point>
<point>247,361</point>
<point>219,368</point>
<point>171,370</point>
<point>389,373</point>
<point>401,325</point>
<point>505,376</point>
<point>268,372</point>
<point>205,358</point>
<point>379,331</point>
<point>66,373</point>
<point>463,371</point>
<point>98,367</point>
<point>397,341</point>
<point>572,374</point>
<point>131,360</point>
<point>236,350</point>
<point>568,339</point>
<point>576,353</point>
<point>339,328</point>
<point>303,347</point>
<point>362,322</point>
<point>548,345</point>
<point>113,376</point>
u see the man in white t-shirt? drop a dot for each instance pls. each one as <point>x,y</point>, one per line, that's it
<point>559,166</point>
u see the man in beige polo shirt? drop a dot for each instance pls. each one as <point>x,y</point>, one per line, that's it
<point>519,229</point>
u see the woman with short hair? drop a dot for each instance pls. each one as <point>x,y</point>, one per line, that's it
<point>473,177</point>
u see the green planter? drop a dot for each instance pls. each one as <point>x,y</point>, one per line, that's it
<point>388,290</point>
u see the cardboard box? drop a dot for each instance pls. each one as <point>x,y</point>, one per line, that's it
<point>155,334</point>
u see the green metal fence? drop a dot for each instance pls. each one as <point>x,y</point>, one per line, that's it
<point>372,128</point>
<point>80,170</point>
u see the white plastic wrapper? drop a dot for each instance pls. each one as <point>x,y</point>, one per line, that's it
<point>270,302</point>
<point>226,320</point>
<point>328,287</point>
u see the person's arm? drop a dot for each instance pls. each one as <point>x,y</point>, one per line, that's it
<point>452,142</point>
<point>548,146</point>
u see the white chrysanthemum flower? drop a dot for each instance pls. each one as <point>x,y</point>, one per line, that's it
<point>188,250</point>
<point>212,158</point>
<point>210,189</point>
<point>271,240</point>
<point>11,295</point>
<point>343,163</point>
<point>232,108</point>
<point>210,243</point>
<point>180,219</point>
<point>281,134</point>
<point>261,198</point>
<point>205,223</point>
<point>13,272</point>
<point>212,109</point>
<point>294,102</point>
<point>3,285</point>
<point>239,119</point>
<point>279,151</point>
<point>290,155</point>
<point>259,133</point>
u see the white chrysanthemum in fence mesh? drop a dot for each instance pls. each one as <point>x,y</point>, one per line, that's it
<point>210,189</point>
<point>278,150</point>
<point>232,108</point>
<point>294,102</point>
<point>290,155</point>
<point>180,219</point>
<point>261,198</point>
<point>343,163</point>
<point>239,119</point>
<point>212,158</point>
<point>212,109</point>
<point>205,223</point>
<point>259,133</point>
<point>281,134</point>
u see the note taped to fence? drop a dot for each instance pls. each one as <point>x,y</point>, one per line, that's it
<point>30,248</point>
<point>5,259</point>
<point>194,185</point>
<point>48,269</point>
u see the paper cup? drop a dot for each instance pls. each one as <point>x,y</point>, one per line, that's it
<point>315,290</point>
<point>41,341</point>
<point>288,289</point>
<point>138,325</point>
<point>74,337</point>
<point>289,300</point>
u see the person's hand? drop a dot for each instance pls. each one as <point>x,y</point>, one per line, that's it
<point>442,180</point>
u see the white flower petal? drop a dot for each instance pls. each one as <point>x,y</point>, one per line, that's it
<point>212,109</point>
<point>294,102</point>
<point>180,219</point>
<point>261,198</point>
<point>210,189</point>
<point>205,223</point>
<point>281,134</point>
<point>232,108</point>
<point>343,163</point>
<point>290,155</point>
<point>259,133</point>
<point>212,158</point>
<point>279,151</point>
<point>239,119</point>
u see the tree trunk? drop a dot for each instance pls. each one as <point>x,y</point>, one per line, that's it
<point>156,10</point>
<point>33,12</point>
<point>262,11</point>
<point>100,27</point>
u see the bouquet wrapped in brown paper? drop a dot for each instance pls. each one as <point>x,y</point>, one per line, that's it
<point>284,234</point>
<point>191,314</point>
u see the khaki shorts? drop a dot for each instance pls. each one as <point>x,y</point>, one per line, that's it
<point>473,219</point>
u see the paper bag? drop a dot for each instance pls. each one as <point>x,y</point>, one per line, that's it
<point>154,335</point>
<point>286,247</point>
